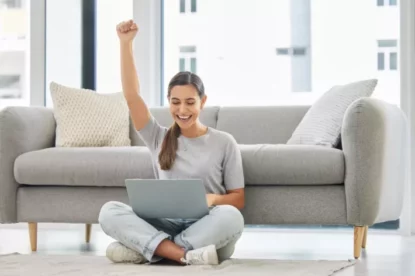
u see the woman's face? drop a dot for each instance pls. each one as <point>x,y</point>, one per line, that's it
<point>185,105</point>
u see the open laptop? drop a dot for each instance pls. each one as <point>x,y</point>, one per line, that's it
<point>154,198</point>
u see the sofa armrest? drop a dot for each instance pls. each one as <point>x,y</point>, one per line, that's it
<point>375,144</point>
<point>22,129</point>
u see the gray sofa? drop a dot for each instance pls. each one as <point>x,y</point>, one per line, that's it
<point>359,184</point>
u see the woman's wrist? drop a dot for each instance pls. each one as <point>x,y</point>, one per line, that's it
<point>126,44</point>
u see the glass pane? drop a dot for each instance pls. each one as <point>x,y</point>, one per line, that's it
<point>182,6</point>
<point>280,43</point>
<point>63,44</point>
<point>187,49</point>
<point>193,65</point>
<point>393,61</point>
<point>387,43</point>
<point>193,5</point>
<point>109,14</point>
<point>283,51</point>
<point>14,53</point>
<point>381,61</point>
<point>393,2</point>
<point>299,51</point>
<point>182,65</point>
<point>381,2</point>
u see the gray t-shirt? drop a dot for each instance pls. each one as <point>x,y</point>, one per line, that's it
<point>213,157</point>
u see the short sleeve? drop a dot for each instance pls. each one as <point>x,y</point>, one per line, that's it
<point>152,134</point>
<point>233,175</point>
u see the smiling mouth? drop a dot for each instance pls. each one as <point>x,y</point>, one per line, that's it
<point>184,118</point>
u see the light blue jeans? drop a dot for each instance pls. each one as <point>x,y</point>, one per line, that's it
<point>222,227</point>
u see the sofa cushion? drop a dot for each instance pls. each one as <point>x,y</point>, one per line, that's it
<point>105,166</point>
<point>292,165</point>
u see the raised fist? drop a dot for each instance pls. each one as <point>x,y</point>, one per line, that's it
<point>127,30</point>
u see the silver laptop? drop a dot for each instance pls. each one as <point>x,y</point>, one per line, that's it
<point>153,198</point>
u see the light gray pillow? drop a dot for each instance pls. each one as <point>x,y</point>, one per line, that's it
<point>322,123</point>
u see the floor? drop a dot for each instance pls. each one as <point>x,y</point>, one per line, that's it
<point>386,254</point>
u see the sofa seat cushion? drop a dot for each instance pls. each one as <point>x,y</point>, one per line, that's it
<point>292,165</point>
<point>101,166</point>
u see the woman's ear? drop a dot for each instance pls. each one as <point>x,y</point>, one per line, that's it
<point>202,104</point>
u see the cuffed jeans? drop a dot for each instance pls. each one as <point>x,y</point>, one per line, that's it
<point>222,227</point>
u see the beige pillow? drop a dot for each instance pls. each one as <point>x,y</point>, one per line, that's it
<point>85,118</point>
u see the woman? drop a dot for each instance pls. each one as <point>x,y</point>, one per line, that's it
<point>186,150</point>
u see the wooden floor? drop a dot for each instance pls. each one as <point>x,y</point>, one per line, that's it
<point>386,254</point>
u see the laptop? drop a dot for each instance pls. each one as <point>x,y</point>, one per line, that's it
<point>172,199</point>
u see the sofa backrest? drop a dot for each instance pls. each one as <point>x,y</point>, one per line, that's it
<point>249,125</point>
<point>260,124</point>
<point>209,117</point>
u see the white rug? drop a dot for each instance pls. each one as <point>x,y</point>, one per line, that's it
<point>33,265</point>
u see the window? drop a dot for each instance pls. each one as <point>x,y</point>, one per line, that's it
<point>393,2</point>
<point>393,61</point>
<point>10,4</point>
<point>187,60</point>
<point>188,3</point>
<point>295,51</point>
<point>381,61</point>
<point>387,43</point>
<point>10,86</point>
<point>299,52</point>
<point>14,54</point>
<point>193,7</point>
<point>283,51</point>
<point>381,3</point>
<point>193,65</point>
<point>182,64</point>
<point>387,55</point>
<point>108,14</point>
<point>305,50</point>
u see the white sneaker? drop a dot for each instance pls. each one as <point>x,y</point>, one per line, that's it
<point>119,253</point>
<point>202,256</point>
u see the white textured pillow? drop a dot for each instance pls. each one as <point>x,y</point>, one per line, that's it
<point>85,118</point>
<point>322,123</point>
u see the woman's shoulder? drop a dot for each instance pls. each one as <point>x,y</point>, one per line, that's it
<point>222,136</point>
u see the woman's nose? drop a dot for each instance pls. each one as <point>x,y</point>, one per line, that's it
<point>182,108</point>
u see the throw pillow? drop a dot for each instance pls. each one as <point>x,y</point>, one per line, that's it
<point>322,123</point>
<point>85,118</point>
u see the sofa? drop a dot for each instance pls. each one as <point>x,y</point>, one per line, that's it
<point>359,183</point>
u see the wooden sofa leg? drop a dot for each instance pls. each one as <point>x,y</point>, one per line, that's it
<point>88,232</point>
<point>33,235</point>
<point>364,237</point>
<point>358,239</point>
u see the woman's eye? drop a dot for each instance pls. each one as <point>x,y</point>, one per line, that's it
<point>191,103</point>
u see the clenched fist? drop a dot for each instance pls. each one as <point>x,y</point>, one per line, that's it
<point>127,30</point>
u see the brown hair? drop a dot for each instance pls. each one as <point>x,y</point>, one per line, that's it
<point>170,143</point>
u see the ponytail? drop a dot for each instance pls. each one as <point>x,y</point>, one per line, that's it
<point>169,147</point>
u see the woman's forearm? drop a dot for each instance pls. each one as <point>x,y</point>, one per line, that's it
<point>129,78</point>
<point>235,199</point>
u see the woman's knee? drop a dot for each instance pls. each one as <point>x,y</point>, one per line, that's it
<point>110,210</point>
<point>231,217</point>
